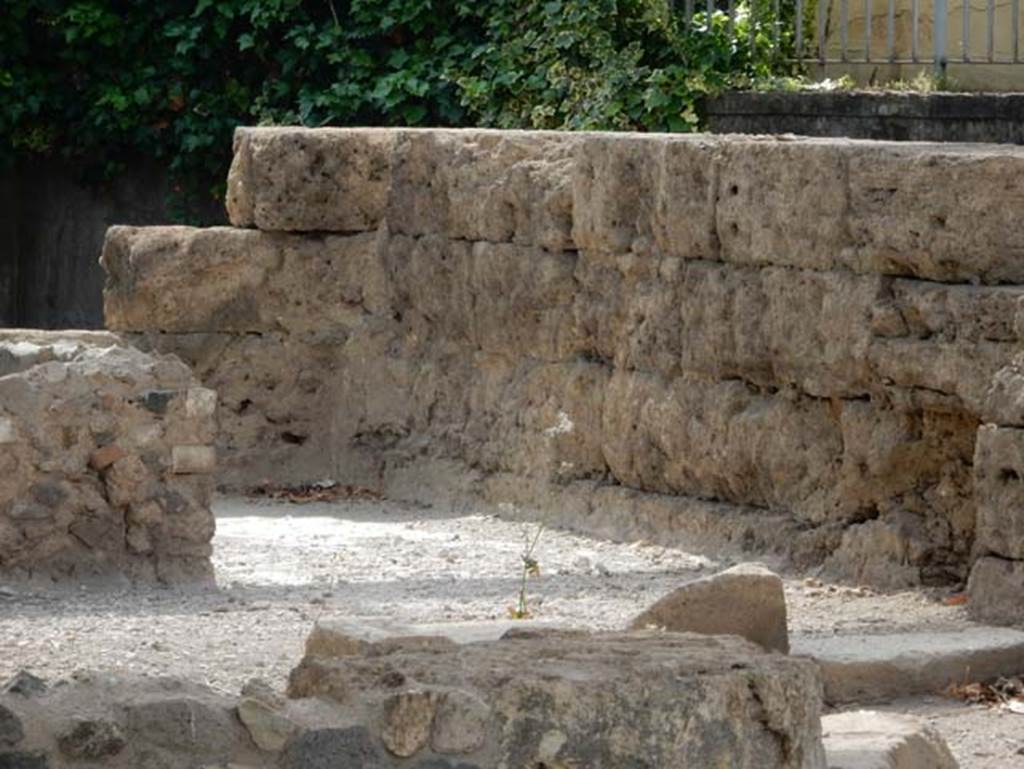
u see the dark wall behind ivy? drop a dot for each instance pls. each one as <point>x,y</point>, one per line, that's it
<point>103,84</point>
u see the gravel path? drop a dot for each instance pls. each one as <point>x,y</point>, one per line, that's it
<point>280,567</point>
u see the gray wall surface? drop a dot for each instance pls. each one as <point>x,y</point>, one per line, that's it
<point>939,117</point>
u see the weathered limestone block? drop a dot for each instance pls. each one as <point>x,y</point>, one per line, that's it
<point>501,298</point>
<point>537,421</point>
<point>633,193</point>
<point>319,180</point>
<point>995,591</point>
<point>942,212</point>
<point>107,460</point>
<point>828,333</point>
<point>746,600</point>
<point>618,700</point>
<point>1004,400</point>
<point>763,183</point>
<point>939,212</point>
<point>865,739</point>
<point>476,185</point>
<point>187,280</point>
<point>999,490</point>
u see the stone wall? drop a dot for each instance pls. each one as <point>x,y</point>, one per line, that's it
<point>761,343</point>
<point>106,462</point>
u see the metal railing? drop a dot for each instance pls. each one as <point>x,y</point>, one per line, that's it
<point>878,31</point>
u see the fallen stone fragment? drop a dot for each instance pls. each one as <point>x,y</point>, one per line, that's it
<point>25,684</point>
<point>746,600</point>
<point>89,739</point>
<point>269,730</point>
<point>869,740</point>
<point>995,591</point>
<point>877,668</point>
<point>333,749</point>
<point>11,732</point>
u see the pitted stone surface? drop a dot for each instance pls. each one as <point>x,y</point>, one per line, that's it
<point>641,700</point>
<point>780,329</point>
<point>91,485</point>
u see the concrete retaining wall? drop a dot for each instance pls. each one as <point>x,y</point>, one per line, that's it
<point>764,344</point>
<point>938,117</point>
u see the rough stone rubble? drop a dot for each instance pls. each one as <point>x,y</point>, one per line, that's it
<point>800,346</point>
<point>106,462</point>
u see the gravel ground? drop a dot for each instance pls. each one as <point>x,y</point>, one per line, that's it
<point>280,567</point>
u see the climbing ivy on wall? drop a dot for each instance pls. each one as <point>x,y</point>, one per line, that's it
<point>106,82</point>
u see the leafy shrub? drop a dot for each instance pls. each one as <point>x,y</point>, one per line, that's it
<point>105,82</point>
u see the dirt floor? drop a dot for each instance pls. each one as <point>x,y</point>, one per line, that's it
<point>281,567</point>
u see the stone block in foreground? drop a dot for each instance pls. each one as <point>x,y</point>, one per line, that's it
<point>644,700</point>
<point>106,461</point>
<point>865,739</point>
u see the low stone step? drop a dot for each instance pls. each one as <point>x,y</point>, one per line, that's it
<point>874,668</point>
<point>865,739</point>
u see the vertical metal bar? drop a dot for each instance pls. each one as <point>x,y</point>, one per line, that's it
<point>710,11</point>
<point>965,44</point>
<point>891,30</point>
<point>688,21</point>
<point>820,13</point>
<point>732,19</point>
<point>913,30</point>
<point>799,29</point>
<point>776,24</point>
<point>751,23</point>
<point>1015,22</point>
<point>991,35</point>
<point>941,12</point>
<point>844,14</point>
<point>867,30</point>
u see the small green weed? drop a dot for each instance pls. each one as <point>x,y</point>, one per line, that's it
<point>530,568</point>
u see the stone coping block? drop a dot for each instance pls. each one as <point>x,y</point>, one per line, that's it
<point>639,700</point>
<point>106,461</point>
<point>875,668</point>
<point>946,212</point>
<point>186,279</point>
